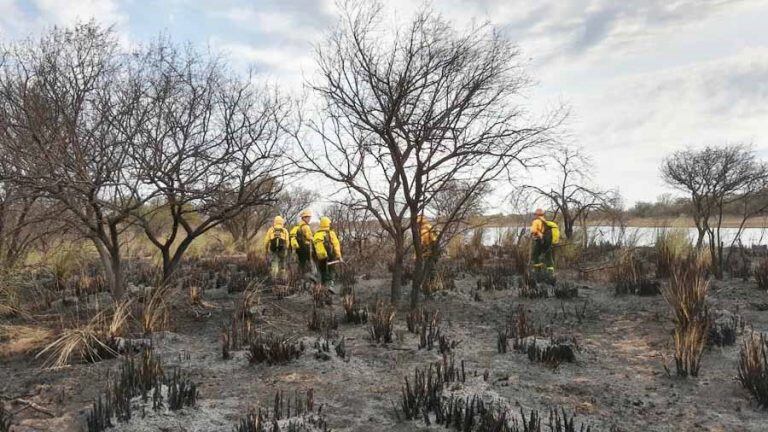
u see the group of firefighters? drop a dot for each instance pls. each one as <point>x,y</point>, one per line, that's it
<point>324,249</point>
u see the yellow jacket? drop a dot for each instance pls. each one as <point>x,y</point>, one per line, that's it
<point>428,236</point>
<point>537,227</point>
<point>275,232</point>
<point>306,234</point>
<point>319,241</point>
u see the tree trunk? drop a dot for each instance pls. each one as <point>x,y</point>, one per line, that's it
<point>397,272</point>
<point>110,260</point>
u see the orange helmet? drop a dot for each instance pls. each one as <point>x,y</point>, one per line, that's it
<point>538,212</point>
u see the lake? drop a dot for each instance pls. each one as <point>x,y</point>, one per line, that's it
<point>645,236</point>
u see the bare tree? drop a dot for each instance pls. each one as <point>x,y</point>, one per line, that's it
<point>245,226</point>
<point>359,232</point>
<point>67,132</point>
<point>449,222</point>
<point>25,218</point>
<point>291,202</point>
<point>409,111</point>
<point>570,191</point>
<point>715,178</point>
<point>211,151</point>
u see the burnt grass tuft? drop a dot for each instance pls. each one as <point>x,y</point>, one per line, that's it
<point>273,349</point>
<point>140,377</point>
<point>753,367</point>
<point>288,414</point>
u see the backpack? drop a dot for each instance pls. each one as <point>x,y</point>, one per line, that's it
<point>301,241</point>
<point>554,230</point>
<point>278,240</point>
<point>328,245</point>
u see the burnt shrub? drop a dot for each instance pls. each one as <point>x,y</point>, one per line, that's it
<point>273,349</point>
<point>381,323</point>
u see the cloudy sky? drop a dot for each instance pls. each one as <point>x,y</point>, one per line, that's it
<point>642,77</point>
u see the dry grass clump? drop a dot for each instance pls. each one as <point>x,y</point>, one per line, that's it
<point>686,294</point>
<point>273,349</point>
<point>441,279</point>
<point>22,339</point>
<point>415,318</point>
<point>670,246</point>
<point>154,312</point>
<point>761,274</point>
<point>521,255</point>
<point>92,342</point>
<point>753,367</point>
<point>353,312</point>
<point>381,322</point>
<point>630,275</point>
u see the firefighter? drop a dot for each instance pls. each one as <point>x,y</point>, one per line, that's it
<point>542,233</point>
<point>327,252</point>
<point>301,242</point>
<point>276,247</point>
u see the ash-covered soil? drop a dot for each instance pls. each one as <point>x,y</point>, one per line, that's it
<point>618,382</point>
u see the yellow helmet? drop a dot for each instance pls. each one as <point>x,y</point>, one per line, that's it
<point>306,213</point>
<point>279,221</point>
<point>325,222</point>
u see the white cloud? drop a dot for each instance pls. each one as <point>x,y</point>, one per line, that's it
<point>632,122</point>
<point>66,12</point>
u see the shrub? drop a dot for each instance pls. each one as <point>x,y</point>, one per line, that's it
<point>273,349</point>
<point>381,320</point>
<point>686,294</point>
<point>761,274</point>
<point>753,367</point>
<point>521,255</point>
<point>724,327</point>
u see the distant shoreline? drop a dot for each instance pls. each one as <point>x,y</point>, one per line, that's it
<point>679,222</point>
